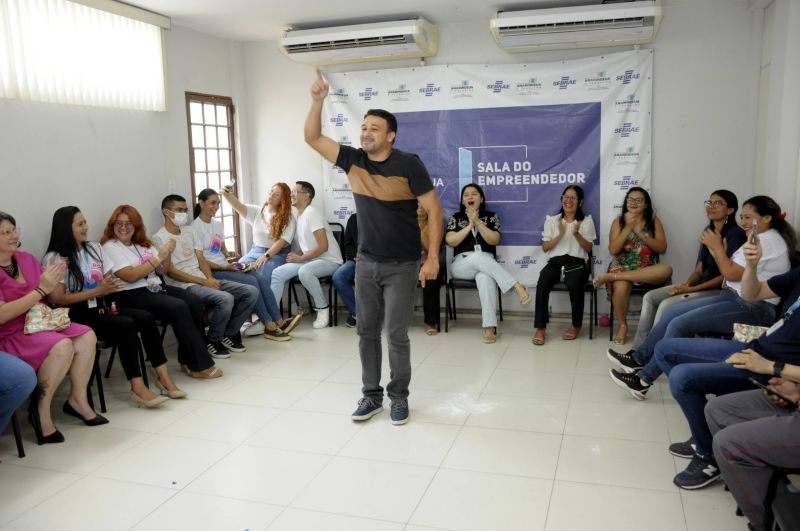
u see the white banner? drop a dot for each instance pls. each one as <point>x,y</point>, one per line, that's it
<point>523,132</point>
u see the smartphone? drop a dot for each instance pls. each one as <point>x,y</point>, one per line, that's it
<point>754,234</point>
<point>771,391</point>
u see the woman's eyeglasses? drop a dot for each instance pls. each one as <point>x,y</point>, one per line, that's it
<point>124,225</point>
<point>634,200</point>
<point>9,232</point>
<point>569,198</point>
<point>715,204</point>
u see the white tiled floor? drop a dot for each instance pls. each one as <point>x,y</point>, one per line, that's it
<point>502,437</point>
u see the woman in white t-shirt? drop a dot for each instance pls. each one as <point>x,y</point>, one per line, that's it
<point>567,241</point>
<point>212,237</point>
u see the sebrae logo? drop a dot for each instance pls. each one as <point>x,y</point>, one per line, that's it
<point>525,262</point>
<point>626,182</point>
<point>626,129</point>
<point>430,89</point>
<point>342,213</point>
<point>564,83</point>
<point>339,120</point>
<point>498,86</point>
<point>627,77</point>
<point>368,93</point>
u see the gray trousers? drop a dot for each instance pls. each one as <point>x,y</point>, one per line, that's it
<point>752,435</point>
<point>655,302</point>
<point>385,295</point>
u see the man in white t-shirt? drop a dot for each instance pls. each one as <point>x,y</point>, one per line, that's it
<point>318,256</point>
<point>231,302</point>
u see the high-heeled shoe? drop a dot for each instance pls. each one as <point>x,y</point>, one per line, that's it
<point>96,421</point>
<point>149,404</point>
<point>53,438</point>
<point>177,393</point>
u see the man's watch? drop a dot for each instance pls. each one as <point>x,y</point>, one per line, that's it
<point>267,256</point>
<point>777,368</point>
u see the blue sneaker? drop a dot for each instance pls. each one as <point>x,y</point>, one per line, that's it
<point>399,411</point>
<point>367,408</point>
<point>351,322</point>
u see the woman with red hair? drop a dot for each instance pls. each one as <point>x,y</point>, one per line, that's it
<point>136,262</point>
<point>273,231</point>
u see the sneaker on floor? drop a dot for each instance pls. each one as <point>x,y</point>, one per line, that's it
<point>323,318</point>
<point>255,329</point>
<point>290,324</point>
<point>351,322</point>
<point>277,335</point>
<point>623,361</point>
<point>233,343</point>
<point>684,449</point>
<point>398,413</point>
<point>367,408</point>
<point>217,350</point>
<point>698,474</point>
<point>629,382</point>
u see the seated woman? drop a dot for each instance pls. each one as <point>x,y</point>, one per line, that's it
<point>274,227</point>
<point>23,284</point>
<point>83,290</point>
<point>136,262</point>
<point>635,240</point>
<point>209,229</point>
<point>474,232</point>
<point>775,238</point>
<point>567,241</point>
<point>706,278</point>
<point>431,292</point>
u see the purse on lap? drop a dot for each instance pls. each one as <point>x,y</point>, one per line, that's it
<point>42,318</point>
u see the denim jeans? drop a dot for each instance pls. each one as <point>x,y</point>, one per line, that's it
<point>343,281</point>
<point>17,380</point>
<point>656,302</point>
<point>309,273</point>
<point>266,307</point>
<point>385,295</point>
<point>231,305</point>
<point>709,314</point>
<point>696,367</point>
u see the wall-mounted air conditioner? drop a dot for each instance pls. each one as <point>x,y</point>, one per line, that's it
<point>382,41</point>
<point>577,26</point>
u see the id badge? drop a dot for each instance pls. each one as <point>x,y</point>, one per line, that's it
<point>92,303</point>
<point>778,324</point>
<point>478,248</point>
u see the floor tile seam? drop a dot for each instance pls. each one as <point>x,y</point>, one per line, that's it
<point>585,436</point>
<point>360,517</point>
<point>520,430</point>
<point>675,490</point>
<point>78,477</point>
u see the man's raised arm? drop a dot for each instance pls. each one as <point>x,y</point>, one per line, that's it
<point>312,131</point>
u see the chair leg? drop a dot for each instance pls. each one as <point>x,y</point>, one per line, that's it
<point>446,309</point>
<point>500,302</point>
<point>17,435</point>
<point>592,315</point>
<point>611,324</point>
<point>97,376</point>
<point>111,359</point>
<point>335,307</point>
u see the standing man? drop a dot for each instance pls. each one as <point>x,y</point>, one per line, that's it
<point>386,184</point>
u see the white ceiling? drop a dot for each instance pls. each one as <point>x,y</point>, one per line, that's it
<point>256,20</point>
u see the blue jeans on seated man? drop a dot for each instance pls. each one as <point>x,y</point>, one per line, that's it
<point>231,305</point>
<point>266,307</point>
<point>343,281</point>
<point>696,367</point>
<point>266,270</point>
<point>17,380</point>
<point>715,315</point>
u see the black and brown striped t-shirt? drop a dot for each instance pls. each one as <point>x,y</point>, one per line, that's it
<point>386,201</point>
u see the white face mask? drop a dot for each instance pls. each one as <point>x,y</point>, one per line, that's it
<point>180,218</point>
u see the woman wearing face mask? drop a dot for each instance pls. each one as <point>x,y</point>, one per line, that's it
<point>23,284</point>
<point>83,290</point>
<point>474,233</point>
<point>136,262</point>
<point>567,240</point>
<point>635,241</point>
<point>274,227</point>
<point>211,234</point>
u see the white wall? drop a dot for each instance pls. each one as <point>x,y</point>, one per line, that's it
<point>705,99</point>
<point>57,155</point>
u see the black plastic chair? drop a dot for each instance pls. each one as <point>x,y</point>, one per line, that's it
<point>589,288</point>
<point>17,435</point>
<point>782,504</point>
<point>338,233</point>
<point>443,276</point>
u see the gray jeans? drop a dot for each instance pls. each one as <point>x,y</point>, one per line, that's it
<point>752,435</point>
<point>385,294</point>
<point>655,303</point>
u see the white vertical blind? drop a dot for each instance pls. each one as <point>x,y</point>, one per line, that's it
<point>62,52</point>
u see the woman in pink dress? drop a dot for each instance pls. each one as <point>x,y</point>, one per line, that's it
<point>24,283</point>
